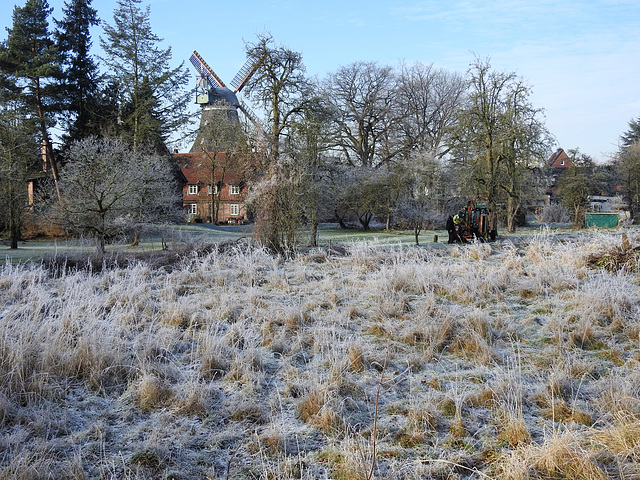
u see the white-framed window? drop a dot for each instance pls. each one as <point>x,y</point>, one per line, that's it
<point>234,210</point>
<point>212,190</point>
<point>192,209</point>
<point>234,189</point>
<point>193,190</point>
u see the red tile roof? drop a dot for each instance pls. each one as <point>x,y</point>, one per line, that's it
<point>196,167</point>
<point>559,159</point>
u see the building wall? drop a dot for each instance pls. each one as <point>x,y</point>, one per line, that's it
<point>197,169</point>
<point>231,207</point>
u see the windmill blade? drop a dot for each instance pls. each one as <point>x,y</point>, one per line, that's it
<point>250,115</point>
<point>203,78</point>
<point>201,66</point>
<point>243,76</point>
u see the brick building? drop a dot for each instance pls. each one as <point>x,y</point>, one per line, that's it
<point>212,192</point>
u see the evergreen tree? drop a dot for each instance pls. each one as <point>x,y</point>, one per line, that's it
<point>29,56</point>
<point>81,75</point>
<point>632,135</point>
<point>18,163</point>
<point>152,96</point>
<point>145,111</point>
<point>107,113</point>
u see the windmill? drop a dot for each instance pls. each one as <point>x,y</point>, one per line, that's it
<point>216,98</point>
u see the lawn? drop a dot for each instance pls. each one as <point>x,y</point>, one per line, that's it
<point>179,235</point>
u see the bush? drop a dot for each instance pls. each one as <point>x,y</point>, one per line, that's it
<point>554,214</point>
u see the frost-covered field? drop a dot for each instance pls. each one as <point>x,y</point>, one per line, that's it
<point>518,359</point>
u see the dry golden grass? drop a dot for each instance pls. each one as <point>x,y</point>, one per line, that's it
<point>514,360</point>
<point>153,392</point>
<point>621,437</point>
<point>513,430</point>
<point>560,456</point>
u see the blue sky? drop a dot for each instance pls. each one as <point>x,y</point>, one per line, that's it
<point>581,58</point>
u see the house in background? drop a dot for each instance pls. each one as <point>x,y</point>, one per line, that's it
<point>558,162</point>
<point>212,193</point>
<point>559,159</point>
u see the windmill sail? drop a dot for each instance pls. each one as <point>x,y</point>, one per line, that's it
<point>243,76</point>
<point>218,101</point>
<point>249,114</point>
<point>205,70</point>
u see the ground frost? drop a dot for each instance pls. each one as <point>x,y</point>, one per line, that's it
<point>515,360</point>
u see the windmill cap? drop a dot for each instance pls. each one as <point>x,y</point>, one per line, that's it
<point>223,94</point>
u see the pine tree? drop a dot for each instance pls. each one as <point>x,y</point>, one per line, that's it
<point>632,135</point>
<point>18,163</point>
<point>149,91</point>
<point>143,122</point>
<point>81,75</point>
<point>29,56</point>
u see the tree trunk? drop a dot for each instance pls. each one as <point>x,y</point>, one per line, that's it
<point>365,219</point>
<point>15,212</point>
<point>313,240</point>
<point>511,214</point>
<point>49,158</point>
<point>14,234</point>
<point>340,219</point>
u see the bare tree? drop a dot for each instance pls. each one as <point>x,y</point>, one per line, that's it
<point>108,189</point>
<point>628,168</point>
<point>499,135</point>
<point>223,141</point>
<point>423,193</point>
<point>363,97</point>
<point>576,184</point>
<point>429,99</point>
<point>309,144</point>
<point>281,88</point>
<point>525,146</point>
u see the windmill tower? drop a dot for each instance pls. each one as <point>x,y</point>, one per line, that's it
<point>219,103</point>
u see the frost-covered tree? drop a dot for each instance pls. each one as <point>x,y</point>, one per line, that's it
<point>422,193</point>
<point>281,88</point>
<point>109,189</point>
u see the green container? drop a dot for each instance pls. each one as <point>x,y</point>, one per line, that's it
<point>604,220</point>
